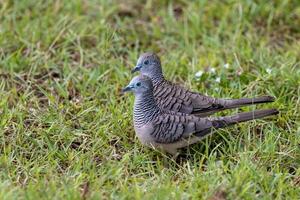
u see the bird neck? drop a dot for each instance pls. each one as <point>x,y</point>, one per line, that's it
<point>145,109</point>
<point>157,78</point>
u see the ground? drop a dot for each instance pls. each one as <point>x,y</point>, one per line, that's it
<point>66,130</point>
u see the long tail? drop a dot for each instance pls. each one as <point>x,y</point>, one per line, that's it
<point>235,103</point>
<point>223,104</point>
<point>221,122</point>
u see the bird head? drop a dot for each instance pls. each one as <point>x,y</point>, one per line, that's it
<point>148,64</point>
<point>139,84</point>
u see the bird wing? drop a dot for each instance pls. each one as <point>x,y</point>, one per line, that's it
<point>170,127</point>
<point>174,104</point>
<point>174,97</point>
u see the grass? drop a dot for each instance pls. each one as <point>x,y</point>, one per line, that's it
<point>66,132</point>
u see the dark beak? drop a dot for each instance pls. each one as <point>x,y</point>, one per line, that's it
<point>127,88</point>
<point>136,68</point>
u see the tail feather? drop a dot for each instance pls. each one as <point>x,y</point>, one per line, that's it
<point>221,122</point>
<point>223,104</point>
<point>235,103</point>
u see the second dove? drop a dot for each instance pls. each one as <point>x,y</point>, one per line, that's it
<point>174,97</point>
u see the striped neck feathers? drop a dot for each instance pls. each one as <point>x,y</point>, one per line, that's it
<point>157,77</point>
<point>145,108</point>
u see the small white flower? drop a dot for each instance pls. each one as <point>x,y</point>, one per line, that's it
<point>199,74</point>
<point>226,65</point>
<point>219,163</point>
<point>269,70</point>
<point>218,79</point>
<point>212,70</point>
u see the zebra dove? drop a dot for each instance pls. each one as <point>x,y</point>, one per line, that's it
<point>174,97</point>
<point>168,130</point>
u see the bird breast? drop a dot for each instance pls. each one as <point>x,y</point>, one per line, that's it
<point>144,134</point>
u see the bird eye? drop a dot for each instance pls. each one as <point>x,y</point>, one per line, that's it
<point>146,62</point>
<point>138,84</point>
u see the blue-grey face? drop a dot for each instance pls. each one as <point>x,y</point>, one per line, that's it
<point>148,64</point>
<point>139,84</point>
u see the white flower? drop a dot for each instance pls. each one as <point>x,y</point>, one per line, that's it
<point>219,163</point>
<point>226,65</point>
<point>218,79</point>
<point>199,74</point>
<point>212,70</point>
<point>269,70</point>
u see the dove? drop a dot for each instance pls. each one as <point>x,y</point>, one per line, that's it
<point>169,130</point>
<point>174,97</point>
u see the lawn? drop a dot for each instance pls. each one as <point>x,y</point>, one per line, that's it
<point>66,131</point>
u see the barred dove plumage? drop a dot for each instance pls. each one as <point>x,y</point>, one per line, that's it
<point>168,130</point>
<point>170,96</point>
